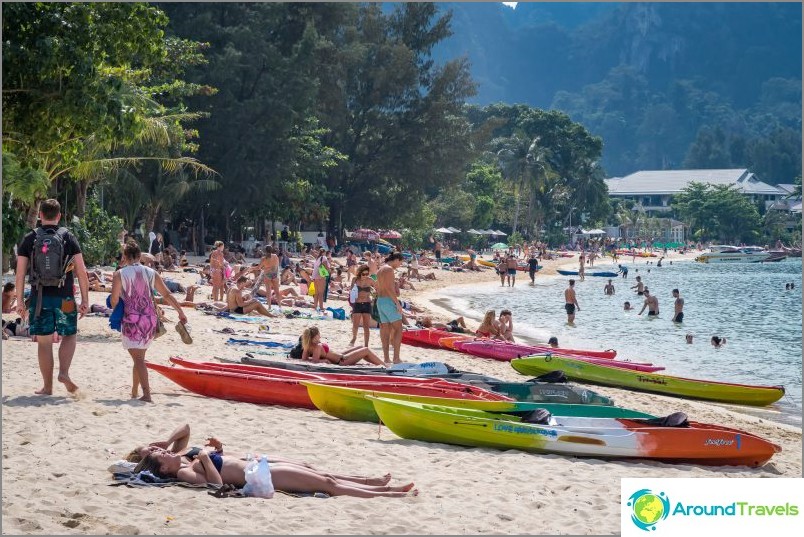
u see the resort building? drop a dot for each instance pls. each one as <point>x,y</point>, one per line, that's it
<point>653,191</point>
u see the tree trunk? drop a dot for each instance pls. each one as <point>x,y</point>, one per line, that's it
<point>516,210</point>
<point>32,215</point>
<point>81,189</point>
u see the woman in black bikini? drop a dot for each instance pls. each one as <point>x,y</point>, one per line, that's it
<point>214,467</point>
<point>361,308</point>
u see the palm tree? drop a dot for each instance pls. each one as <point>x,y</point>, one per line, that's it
<point>518,156</point>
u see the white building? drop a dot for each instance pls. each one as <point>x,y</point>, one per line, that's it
<point>654,190</point>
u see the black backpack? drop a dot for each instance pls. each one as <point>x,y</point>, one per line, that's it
<point>48,261</point>
<point>296,352</point>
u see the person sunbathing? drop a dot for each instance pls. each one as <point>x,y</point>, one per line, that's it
<point>237,303</point>
<point>287,277</point>
<point>404,283</point>
<point>456,325</point>
<point>315,351</point>
<point>217,468</point>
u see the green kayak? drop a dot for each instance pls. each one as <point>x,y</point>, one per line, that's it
<point>351,404</point>
<point>709,390</point>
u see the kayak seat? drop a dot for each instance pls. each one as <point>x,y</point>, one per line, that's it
<point>539,416</point>
<point>676,419</point>
<point>553,377</point>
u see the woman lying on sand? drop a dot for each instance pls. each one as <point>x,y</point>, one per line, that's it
<point>199,466</point>
<point>315,351</point>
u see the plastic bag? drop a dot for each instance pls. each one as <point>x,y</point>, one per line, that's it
<point>311,289</point>
<point>258,479</point>
<point>353,294</point>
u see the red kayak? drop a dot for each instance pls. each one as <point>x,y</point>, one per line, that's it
<point>297,375</point>
<point>257,389</point>
<point>424,337</point>
<point>267,390</point>
<point>506,352</point>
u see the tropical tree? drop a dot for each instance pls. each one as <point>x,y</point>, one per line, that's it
<point>518,156</point>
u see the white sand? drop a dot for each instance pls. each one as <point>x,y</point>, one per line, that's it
<point>56,451</point>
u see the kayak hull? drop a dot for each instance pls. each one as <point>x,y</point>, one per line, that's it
<point>351,404</point>
<point>594,437</point>
<point>256,389</point>
<point>507,352</point>
<point>581,371</point>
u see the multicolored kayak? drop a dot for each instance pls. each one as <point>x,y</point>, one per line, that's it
<point>670,441</point>
<point>449,342</point>
<point>709,390</point>
<point>351,404</point>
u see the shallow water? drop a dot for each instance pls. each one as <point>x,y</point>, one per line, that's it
<point>744,302</point>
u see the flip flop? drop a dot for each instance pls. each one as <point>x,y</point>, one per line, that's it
<point>185,335</point>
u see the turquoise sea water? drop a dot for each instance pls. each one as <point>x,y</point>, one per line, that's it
<point>743,302</point>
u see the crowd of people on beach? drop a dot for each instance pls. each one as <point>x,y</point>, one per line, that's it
<point>370,283</point>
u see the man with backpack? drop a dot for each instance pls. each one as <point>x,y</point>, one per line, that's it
<point>51,256</point>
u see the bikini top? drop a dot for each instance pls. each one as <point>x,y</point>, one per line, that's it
<point>214,456</point>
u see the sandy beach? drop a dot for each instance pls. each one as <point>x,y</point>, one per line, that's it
<point>56,449</point>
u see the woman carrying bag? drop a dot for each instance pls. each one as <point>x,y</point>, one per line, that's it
<point>135,285</point>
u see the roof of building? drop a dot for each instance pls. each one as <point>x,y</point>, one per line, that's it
<point>674,181</point>
<point>786,188</point>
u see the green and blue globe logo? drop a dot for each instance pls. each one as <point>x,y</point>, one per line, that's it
<point>648,508</point>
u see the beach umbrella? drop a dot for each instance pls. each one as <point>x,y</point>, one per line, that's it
<point>474,232</point>
<point>500,233</point>
<point>365,234</point>
<point>499,246</point>
<point>454,230</point>
<point>390,234</point>
<point>444,230</point>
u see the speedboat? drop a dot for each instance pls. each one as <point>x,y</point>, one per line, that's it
<point>734,254</point>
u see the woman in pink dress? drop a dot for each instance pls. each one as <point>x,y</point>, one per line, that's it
<point>135,284</point>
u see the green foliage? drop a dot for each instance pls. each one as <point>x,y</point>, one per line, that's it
<point>22,182</point>
<point>98,232</point>
<point>13,222</point>
<point>515,238</point>
<point>718,212</point>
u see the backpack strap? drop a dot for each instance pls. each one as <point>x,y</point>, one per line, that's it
<point>63,232</point>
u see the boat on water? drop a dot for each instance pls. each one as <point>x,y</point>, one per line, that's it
<point>670,439</point>
<point>735,254</point>
<point>595,373</point>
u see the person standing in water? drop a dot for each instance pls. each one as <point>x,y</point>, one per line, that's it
<point>679,307</point>
<point>640,287</point>
<point>571,303</point>
<point>510,263</point>
<point>652,303</point>
<point>608,290</point>
<point>533,266</point>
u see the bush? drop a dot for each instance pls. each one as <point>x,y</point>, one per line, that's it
<point>97,233</point>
